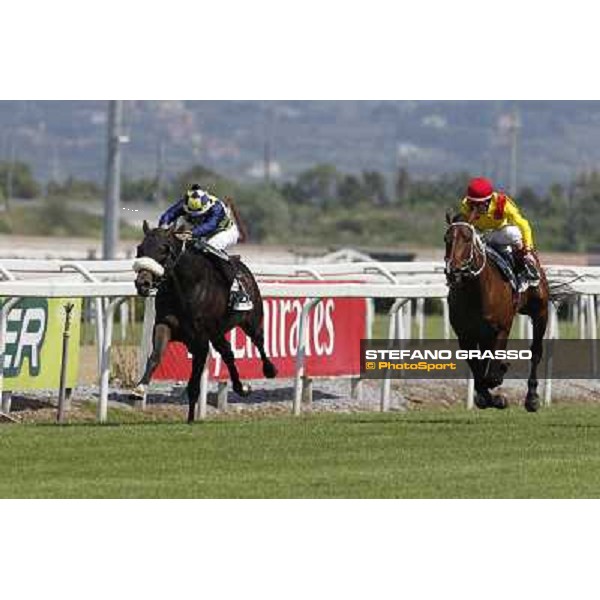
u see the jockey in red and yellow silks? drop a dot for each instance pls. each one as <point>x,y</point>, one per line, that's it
<point>500,221</point>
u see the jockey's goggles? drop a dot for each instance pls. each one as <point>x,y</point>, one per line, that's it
<point>479,203</point>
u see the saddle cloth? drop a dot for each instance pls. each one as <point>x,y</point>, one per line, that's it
<point>505,263</point>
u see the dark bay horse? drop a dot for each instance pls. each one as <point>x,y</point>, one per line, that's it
<point>192,306</point>
<point>483,305</point>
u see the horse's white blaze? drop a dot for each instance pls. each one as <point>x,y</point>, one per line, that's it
<point>148,264</point>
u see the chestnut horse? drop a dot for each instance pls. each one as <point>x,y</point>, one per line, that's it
<point>483,306</point>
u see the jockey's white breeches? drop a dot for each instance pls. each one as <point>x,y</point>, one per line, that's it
<point>224,239</point>
<point>506,236</point>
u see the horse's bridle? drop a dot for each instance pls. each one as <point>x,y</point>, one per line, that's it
<point>160,271</point>
<point>469,267</point>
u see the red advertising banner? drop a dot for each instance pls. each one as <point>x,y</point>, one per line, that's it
<point>335,328</point>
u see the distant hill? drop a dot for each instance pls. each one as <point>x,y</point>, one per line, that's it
<point>557,139</point>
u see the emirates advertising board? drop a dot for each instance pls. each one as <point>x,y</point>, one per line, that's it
<point>335,328</point>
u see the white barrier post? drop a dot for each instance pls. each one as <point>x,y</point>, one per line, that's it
<point>548,355</point>
<point>593,331</point>
<point>222,395</point>
<point>582,317</point>
<point>300,356</point>
<point>408,312</point>
<point>109,314</point>
<point>124,316</point>
<point>356,383</point>
<point>446,318</point>
<point>395,331</point>
<point>522,325</point>
<point>470,391</point>
<point>420,318</point>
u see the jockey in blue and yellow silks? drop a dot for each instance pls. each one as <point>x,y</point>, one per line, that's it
<point>209,218</point>
<point>500,221</point>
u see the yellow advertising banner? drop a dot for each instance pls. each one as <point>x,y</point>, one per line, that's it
<point>34,338</point>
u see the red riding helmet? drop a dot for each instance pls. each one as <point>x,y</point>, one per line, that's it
<point>480,190</point>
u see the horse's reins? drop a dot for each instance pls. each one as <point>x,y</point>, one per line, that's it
<point>161,272</point>
<point>467,267</point>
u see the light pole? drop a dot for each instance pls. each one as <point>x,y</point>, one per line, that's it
<point>513,130</point>
<point>113,180</point>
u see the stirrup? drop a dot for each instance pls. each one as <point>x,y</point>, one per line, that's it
<point>239,299</point>
<point>241,302</point>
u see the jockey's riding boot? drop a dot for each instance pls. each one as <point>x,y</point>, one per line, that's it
<point>239,298</point>
<point>526,268</point>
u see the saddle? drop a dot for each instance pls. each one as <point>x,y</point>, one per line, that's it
<point>505,262</point>
<point>233,261</point>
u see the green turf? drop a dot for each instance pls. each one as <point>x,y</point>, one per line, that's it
<point>437,453</point>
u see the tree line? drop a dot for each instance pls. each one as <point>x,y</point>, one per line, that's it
<point>323,205</point>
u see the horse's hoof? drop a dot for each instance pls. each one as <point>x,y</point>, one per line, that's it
<point>242,389</point>
<point>269,370</point>
<point>499,402</point>
<point>139,390</point>
<point>532,403</point>
<point>481,401</point>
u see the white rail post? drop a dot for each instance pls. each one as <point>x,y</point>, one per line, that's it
<point>522,325</point>
<point>356,383</point>
<point>307,391</point>
<point>124,316</point>
<point>470,391</point>
<point>300,355</point>
<point>582,317</point>
<point>420,314</point>
<point>593,332</point>
<point>222,395</point>
<point>395,331</point>
<point>408,313</point>
<point>6,308</point>
<point>548,354</point>
<point>109,314</point>
<point>446,318</point>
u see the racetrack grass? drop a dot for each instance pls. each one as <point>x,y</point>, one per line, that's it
<point>422,454</point>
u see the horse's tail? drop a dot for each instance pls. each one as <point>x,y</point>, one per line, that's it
<point>561,291</point>
<point>240,224</point>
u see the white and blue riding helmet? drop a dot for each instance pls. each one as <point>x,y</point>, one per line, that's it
<point>197,201</point>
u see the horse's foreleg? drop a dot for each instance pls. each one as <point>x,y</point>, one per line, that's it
<point>223,347</point>
<point>532,400</point>
<point>161,337</point>
<point>253,329</point>
<point>199,353</point>
<point>483,398</point>
<point>495,369</point>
